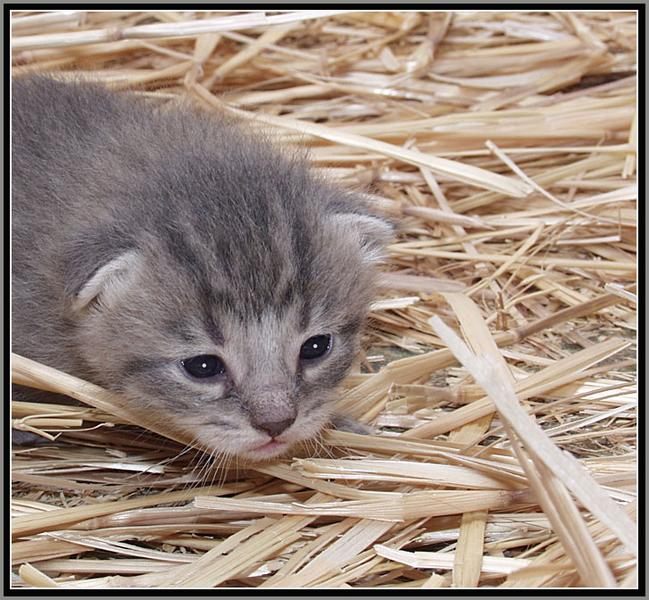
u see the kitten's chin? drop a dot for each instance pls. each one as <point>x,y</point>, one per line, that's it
<point>251,445</point>
<point>247,445</point>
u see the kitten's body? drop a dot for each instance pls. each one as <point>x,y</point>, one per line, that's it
<point>142,237</point>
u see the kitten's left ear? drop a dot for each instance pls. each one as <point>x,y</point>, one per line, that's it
<point>109,282</point>
<point>372,232</point>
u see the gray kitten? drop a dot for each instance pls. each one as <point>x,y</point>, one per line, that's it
<point>169,255</point>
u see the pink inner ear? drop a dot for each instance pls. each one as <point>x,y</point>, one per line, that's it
<point>109,282</point>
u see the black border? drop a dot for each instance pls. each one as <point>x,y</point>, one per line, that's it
<point>227,592</point>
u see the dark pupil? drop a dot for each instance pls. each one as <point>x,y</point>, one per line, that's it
<point>315,347</point>
<point>204,365</point>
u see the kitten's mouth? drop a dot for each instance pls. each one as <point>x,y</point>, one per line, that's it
<point>272,445</point>
<point>268,450</point>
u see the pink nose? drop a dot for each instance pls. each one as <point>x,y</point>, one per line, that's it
<point>273,428</point>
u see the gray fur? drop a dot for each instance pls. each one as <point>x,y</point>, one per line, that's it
<point>143,236</point>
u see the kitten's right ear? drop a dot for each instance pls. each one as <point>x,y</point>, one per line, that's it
<point>371,232</point>
<point>108,283</point>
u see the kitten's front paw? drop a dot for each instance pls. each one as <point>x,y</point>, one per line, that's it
<point>27,438</point>
<point>345,423</point>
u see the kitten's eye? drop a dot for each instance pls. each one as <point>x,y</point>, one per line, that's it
<point>315,347</point>
<point>203,366</point>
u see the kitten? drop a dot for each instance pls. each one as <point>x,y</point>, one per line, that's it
<point>173,257</point>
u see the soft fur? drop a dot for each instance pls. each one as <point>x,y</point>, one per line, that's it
<point>142,236</point>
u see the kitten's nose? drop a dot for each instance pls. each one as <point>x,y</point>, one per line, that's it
<point>274,428</point>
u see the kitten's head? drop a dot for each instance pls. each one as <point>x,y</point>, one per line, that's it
<point>236,310</point>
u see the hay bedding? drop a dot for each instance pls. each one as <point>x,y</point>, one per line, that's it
<point>505,145</point>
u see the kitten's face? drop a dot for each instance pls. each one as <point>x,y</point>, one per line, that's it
<point>254,389</point>
<point>244,352</point>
